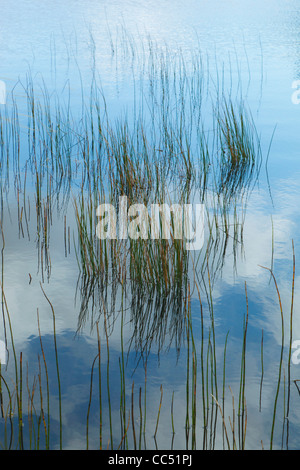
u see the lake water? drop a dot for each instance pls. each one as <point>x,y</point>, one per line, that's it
<point>249,49</point>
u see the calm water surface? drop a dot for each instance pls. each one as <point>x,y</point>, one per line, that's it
<point>252,43</point>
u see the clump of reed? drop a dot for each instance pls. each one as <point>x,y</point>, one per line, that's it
<point>159,152</point>
<point>210,421</point>
<point>239,147</point>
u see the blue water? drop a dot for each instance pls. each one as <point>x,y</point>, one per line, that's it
<point>252,43</point>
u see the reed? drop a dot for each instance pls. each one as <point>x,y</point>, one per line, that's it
<point>205,423</point>
<point>57,367</point>
<point>160,151</point>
